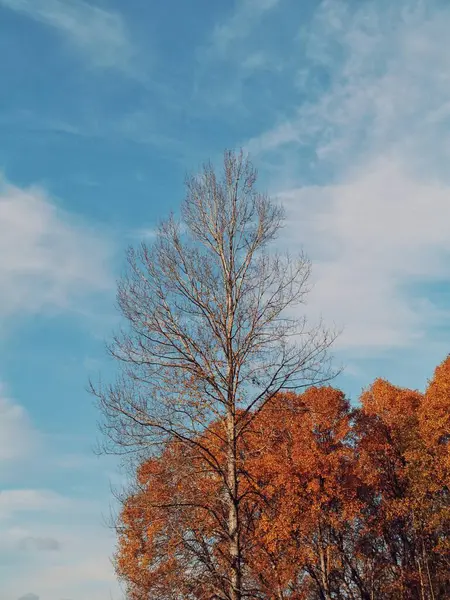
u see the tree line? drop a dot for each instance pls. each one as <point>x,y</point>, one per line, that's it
<point>336,503</point>
<point>254,478</point>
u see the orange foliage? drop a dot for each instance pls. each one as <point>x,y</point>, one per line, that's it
<point>310,489</point>
<point>336,503</point>
<point>406,505</point>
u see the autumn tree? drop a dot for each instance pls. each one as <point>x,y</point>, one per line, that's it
<point>337,503</point>
<point>211,335</point>
<point>295,496</point>
<point>310,495</point>
<point>359,499</point>
<point>164,523</point>
<point>402,453</point>
<point>432,488</point>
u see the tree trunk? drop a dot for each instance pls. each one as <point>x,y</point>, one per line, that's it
<point>324,566</point>
<point>427,564</point>
<point>422,585</point>
<point>235,592</point>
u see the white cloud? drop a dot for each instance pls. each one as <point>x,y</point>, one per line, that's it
<point>379,232</point>
<point>18,438</point>
<point>99,34</point>
<point>387,78</point>
<point>55,543</point>
<point>48,260</point>
<point>78,574</point>
<point>392,84</point>
<point>59,546</point>
<point>371,239</point>
<point>29,500</point>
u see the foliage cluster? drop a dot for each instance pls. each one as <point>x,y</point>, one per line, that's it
<point>337,503</point>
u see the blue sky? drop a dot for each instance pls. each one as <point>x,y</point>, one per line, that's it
<point>104,105</point>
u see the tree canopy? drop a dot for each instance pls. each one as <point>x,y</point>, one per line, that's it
<point>338,503</point>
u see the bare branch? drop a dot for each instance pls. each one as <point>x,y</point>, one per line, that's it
<point>212,335</point>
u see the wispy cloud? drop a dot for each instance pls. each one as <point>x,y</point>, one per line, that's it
<point>377,240</point>
<point>14,501</point>
<point>18,437</point>
<point>49,260</point>
<point>99,34</point>
<point>58,541</point>
<point>240,23</point>
<point>376,124</point>
<point>229,56</point>
<point>372,60</point>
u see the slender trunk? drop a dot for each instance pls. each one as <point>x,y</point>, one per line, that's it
<point>422,585</point>
<point>372,581</point>
<point>427,564</point>
<point>324,566</point>
<point>235,592</point>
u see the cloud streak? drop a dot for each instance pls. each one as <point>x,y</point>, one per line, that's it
<point>240,23</point>
<point>385,80</point>
<point>100,35</point>
<point>13,501</point>
<point>375,126</point>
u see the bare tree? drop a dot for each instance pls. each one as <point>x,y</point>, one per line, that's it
<point>211,334</point>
